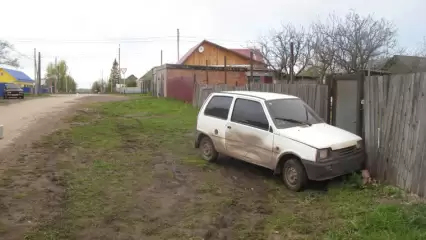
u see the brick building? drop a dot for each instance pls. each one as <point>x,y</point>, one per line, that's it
<point>177,81</point>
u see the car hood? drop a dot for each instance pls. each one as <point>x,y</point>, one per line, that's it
<point>321,136</point>
<point>14,90</point>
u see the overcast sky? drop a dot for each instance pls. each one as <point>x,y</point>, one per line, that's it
<point>87,33</point>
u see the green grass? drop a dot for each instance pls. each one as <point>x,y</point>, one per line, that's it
<point>36,95</point>
<point>118,182</point>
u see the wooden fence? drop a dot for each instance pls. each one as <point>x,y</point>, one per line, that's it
<point>395,136</point>
<point>315,95</point>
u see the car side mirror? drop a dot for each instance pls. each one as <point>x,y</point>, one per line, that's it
<point>270,129</point>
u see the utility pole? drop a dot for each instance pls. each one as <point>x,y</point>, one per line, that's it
<point>161,58</point>
<point>178,44</point>
<point>35,73</point>
<point>224,69</point>
<point>57,75</point>
<point>291,62</point>
<point>39,70</point>
<point>66,82</point>
<point>102,81</point>
<point>119,64</point>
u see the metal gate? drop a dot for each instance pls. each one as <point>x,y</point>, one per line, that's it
<point>347,93</point>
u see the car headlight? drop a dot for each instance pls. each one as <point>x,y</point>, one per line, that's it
<point>323,153</point>
<point>359,144</point>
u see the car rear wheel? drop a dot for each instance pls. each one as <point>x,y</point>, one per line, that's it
<point>294,175</point>
<point>208,151</point>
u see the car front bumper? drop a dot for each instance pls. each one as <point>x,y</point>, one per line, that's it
<point>14,94</point>
<point>319,171</point>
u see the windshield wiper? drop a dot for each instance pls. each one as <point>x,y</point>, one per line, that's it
<point>294,121</point>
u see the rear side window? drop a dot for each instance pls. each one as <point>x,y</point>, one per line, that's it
<point>250,113</point>
<point>218,107</point>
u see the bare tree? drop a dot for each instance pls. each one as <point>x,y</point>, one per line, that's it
<point>421,50</point>
<point>360,39</point>
<point>275,49</point>
<point>348,44</point>
<point>325,47</point>
<point>5,58</point>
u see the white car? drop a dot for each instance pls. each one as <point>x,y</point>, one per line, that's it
<point>279,132</point>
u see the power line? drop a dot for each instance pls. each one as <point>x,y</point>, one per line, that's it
<point>124,40</point>
<point>77,41</point>
<point>21,54</point>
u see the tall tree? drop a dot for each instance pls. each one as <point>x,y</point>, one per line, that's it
<point>348,44</point>
<point>275,49</point>
<point>99,86</point>
<point>421,49</point>
<point>5,57</point>
<point>325,48</point>
<point>114,76</point>
<point>57,76</point>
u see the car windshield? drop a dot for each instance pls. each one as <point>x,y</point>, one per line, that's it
<point>291,112</point>
<point>12,86</point>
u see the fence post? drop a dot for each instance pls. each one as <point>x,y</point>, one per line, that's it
<point>224,69</point>
<point>251,69</point>
<point>194,91</point>
<point>207,72</point>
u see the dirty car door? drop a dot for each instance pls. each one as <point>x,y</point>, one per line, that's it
<point>247,134</point>
<point>214,120</point>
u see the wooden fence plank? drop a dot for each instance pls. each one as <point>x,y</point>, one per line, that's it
<point>394,123</point>
<point>315,95</point>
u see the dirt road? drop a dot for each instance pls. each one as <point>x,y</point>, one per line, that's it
<point>18,117</point>
<point>29,177</point>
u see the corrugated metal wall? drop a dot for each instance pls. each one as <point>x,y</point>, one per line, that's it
<point>1,89</point>
<point>27,89</point>
<point>181,88</point>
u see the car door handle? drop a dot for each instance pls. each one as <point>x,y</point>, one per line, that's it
<point>229,127</point>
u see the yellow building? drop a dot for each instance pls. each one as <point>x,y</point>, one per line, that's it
<point>16,77</point>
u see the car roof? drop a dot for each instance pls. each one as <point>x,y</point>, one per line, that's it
<point>263,95</point>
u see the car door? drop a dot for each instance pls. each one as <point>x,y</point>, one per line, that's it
<point>247,133</point>
<point>213,119</point>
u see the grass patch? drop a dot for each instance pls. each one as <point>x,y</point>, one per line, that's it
<point>36,95</point>
<point>132,173</point>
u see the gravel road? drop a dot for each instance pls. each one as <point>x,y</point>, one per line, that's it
<point>17,117</point>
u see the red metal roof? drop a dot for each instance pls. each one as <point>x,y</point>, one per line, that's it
<point>245,52</point>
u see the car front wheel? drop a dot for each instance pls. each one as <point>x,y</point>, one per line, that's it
<point>208,151</point>
<point>294,175</point>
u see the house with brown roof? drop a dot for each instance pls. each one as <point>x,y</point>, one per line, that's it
<point>207,53</point>
<point>211,64</point>
<point>212,54</point>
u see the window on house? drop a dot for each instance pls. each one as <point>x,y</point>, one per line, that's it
<point>255,79</point>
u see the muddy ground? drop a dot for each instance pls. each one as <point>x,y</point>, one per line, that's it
<point>29,181</point>
<point>128,170</point>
